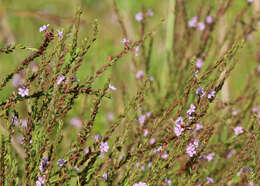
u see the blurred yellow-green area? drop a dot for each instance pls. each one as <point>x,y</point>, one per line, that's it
<point>20,21</point>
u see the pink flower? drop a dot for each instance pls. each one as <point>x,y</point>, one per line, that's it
<point>238,130</point>
<point>150,12</point>
<point>44,28</point>
<point>250,1</point>
<point>178,128</point>
<point>23,91</point>
<point>139,16</point>
<point>60,79</point>
<point>104,147</point>
<point>209,20</point>
<point>210,156</point>
<point>199,63</point>
<point>140,74</point>
<point>140,184</point>
<point>210,180</point>
<point>111,87</point>
<point>191,149</point>
<point>146,132</point>
<point>201,26</point>
<point>193,22</point>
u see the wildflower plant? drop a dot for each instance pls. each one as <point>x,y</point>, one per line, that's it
<point>174,131</point>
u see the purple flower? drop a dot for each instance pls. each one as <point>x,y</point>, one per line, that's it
<point>104,176</point>
<point>150,164</point>
<point>209,19</point>
<point>125,41</point>
<point>44,28</point>
<point>200,92</point>
<point>97,137</point>
<point>137,51</point>
<point>210,180</point>
<point>23,91</point>
<point>24,123</point>
<point>168,182</point>
<point>146,132</point>
<point>211,94</point>
<point>60,33</point>
<point>165,156</point>
<point>191,149</point>
<point>235,112</point>
<point>198,127</point>
<point>142,119</point>
<point>41,181</point>
<point>238,130</point>
<point>250,1</point>
<point>199,63</point>
<point>191,109</point>
<point>251,183</point>
<point>143,168</point>
<point>201,26</point>
<point>258,68</point>
<point>150,12</point>
<point>152,141</point>
<point>178,128</point>
<point>61,162</point>
<point>60,79</point>
<point>44,164</point>
<point>139,16</point>
<point>140,74</point>
<point>140,184</point>
<point>210,156</point>
<point>111,87</point>
<point>151,79</point>
<point>76,122</point>
<point>18,80</point>
<point>159,149</point>
<point>104,147</point>
<point>193,22</point>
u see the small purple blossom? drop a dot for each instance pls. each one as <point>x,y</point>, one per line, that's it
<point>97,137</point>
<point>60,79</point>
<point>199,63</point>
<point>251,183</point>
<point>210,156</point>
<point>168,182</point>
<point>198,127</point>
<point>201,26</point>
<point>139,16</point>
<point>191,109</point>
<point>150,12</point>
<point>209,19</point>
<point>41,181</point>
<point>125,41</point>
<point>76,122</point>
<point>17,80</point>
<point>104,147</point>
<point>140,74</point>
<point>140,184</point>
<point>137,51</point>
<point>178,128</point>
<point>193,22</point>
<point>44,28</point>
<point>238,130</point>
<point>191,149</point>
<point>210,180</point>
<point>152,141</point>
<point>142,119</point>
<point>165,156</point>
<point>60,33</point>
<point>235,112</point>
<point>23,91</point>
<point>23,123</point>
<point>111,87</point>
<point>61,162</point>
<point>211,94</point>
<point>44,164</point>
<point>104,176</point>
<point>200,92</point>
<point>250,1</point>
<point>143,168</point>
<point>146,132</point>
